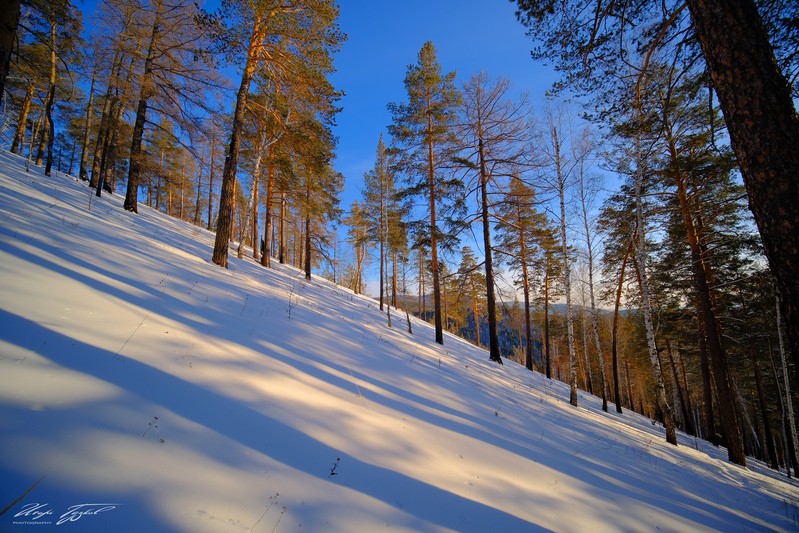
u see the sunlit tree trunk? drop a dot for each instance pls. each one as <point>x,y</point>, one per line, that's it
<point>228,189</point>
<point>24,110</point>
<point>145,92</point>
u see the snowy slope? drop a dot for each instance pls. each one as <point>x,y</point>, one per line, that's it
<point>159,392</point>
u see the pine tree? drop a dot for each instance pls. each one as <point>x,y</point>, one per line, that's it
<point>380,203</point>
<point>170,77</point>
<point>269,28</point>
<point>422,131</point>
<point>470,282</point>
<point>519,231</point>
<point>57,24</point>
<point>755,89</point>
<point>357,232</point>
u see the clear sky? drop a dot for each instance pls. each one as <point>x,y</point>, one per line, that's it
<point>384,38</point>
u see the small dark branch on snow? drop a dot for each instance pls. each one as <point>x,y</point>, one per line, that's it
<point>153,423</point>
<point>22,496</point>
<point>334,468</point>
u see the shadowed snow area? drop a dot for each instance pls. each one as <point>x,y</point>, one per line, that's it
<point>160,392</point>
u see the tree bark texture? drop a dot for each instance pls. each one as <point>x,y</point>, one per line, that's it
<point>493,335</point>
<point>764,132</point>
<point>228,188</point>
<point>433,237</point>
<point>9,19</point>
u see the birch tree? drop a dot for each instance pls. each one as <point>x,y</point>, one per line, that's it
<point>587,191</point>
<point>646,304</point>
<point>564,157</point>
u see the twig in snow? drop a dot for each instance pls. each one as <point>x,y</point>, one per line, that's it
<point>22,496</point>
<point>279,517</point>
<point>356,385</point>
<point>152,424</point>
<point>293,301</point>
<point>272,499</point>
<point>335,466</point>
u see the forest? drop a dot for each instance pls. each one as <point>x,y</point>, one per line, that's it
<point>636,244</point>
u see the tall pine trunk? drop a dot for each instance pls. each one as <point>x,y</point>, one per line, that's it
<point>24,111</point>
<point>83,171</point>
<point>528,329</point>
<point>614,343</point>
<point>48,131</point>
<point>493,335</point>
<point>433,236</point>
<point>771,449</point>
<point>308,229</point>
<point>764,133</point>
<point>266,254</point>
<point>702,278</point>
<point>146,90</point>
<point>228,189</point>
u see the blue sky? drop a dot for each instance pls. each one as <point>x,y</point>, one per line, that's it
<point>385,37</point>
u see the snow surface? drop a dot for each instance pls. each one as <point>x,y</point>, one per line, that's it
<point>174,395</point>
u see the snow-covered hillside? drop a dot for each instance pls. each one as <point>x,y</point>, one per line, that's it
<point>143,388</point>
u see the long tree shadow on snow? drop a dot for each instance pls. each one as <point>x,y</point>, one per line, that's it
<point>237,422</point>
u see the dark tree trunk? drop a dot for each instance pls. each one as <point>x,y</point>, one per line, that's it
<point>281,237</point>
<point>433,240</point>
<point>684,405</point>
<point>528,328</point>
<point>702,275</point>
<point>615,329</point>
<point>707,385</point>
<point>9,19</point>
<point>83,172</point>
<point>308,230</point>
<point>266,253</point>
<point>764,133</point>
<point>761,397</point>
<point>547,348</point>
<point>134,169</point>
<point>493,335</point>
